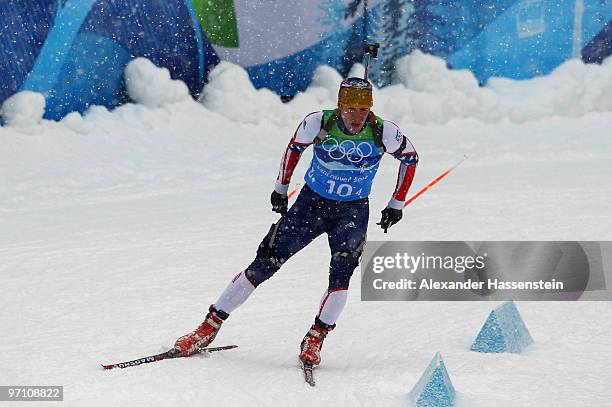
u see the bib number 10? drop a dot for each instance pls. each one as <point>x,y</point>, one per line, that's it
<point>341,189</point>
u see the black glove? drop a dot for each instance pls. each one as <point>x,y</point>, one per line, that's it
<point>279,202</point>
<point>389,218</point>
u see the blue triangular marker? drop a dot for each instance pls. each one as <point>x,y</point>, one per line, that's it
<point>434,388</point>
<point>503,331</point>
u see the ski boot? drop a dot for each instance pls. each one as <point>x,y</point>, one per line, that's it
<point>311,345</point>
<point>203,335</point>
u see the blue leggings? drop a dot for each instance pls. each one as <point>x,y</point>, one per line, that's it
<point>311,215</point>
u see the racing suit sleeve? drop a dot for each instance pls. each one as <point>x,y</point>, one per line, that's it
<point>304,136</point>
<point>398,145</point>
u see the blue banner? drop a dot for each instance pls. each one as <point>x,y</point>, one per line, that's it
<point>74,51</point>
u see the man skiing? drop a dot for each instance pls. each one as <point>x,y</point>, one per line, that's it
<point>348,145</point>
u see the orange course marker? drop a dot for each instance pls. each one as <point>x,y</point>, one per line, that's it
<point>434,182</point>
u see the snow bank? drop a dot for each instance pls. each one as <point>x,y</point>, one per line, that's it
<point>152,86</point>
<point>426,91</point>
<point>231,93</point>
<point>571,90</point>
<point>23,109</point>
<point>327,78</point>
<point>431,92</point>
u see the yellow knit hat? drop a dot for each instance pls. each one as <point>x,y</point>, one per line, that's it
<point>355,92</point>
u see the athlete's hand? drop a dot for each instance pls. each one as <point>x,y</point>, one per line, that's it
<point>389,218</point>
<point>279,202</point>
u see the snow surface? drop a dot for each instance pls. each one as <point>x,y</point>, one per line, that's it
<point>120,228</point>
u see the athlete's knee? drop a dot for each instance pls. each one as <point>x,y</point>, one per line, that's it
<point>342,266</point>
<point>259,271</point>
<point>267,261</point>
<point>350,257</point>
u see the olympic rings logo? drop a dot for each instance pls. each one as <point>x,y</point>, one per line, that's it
<point>354,152</point>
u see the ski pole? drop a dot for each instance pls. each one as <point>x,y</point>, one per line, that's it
<point>434,182</point>
<point>290,194</point>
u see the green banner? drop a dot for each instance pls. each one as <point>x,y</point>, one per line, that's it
<point>218,20</point>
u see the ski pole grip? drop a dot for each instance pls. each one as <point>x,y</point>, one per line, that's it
<point>370,51</point>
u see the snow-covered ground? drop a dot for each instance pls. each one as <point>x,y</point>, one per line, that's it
<point>118,229</point>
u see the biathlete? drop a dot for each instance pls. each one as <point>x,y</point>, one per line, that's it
<point>349,143</point>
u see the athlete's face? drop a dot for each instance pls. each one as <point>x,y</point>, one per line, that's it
<point>353,118</point>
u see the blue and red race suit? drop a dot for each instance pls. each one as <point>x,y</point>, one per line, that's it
<point>344,165</point>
